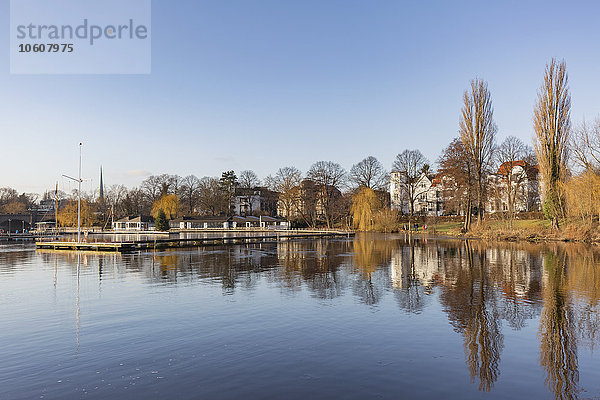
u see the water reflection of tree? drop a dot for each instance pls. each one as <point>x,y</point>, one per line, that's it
<point>558,342</point>
<point>233,266</point>
<point>371,256</point>
<point>471,303</point>
<point>314,263</point>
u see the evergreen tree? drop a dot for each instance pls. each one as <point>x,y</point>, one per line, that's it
<point>161,222</point>
<point>227,184</point>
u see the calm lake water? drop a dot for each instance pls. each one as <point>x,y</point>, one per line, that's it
<point>366,317</point>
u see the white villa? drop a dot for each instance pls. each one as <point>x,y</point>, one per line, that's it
<point>525,184</point>
<point>430,191</point>
<point>428,195</point>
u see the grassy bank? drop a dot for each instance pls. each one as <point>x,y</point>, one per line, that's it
<point>530,230</point>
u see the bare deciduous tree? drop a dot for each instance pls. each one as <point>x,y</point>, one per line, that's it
<point>248,179</point>
<point>286,182</point>
<point>512,153</point>
<point>156,186</point>
<point>370,174</point>
<point>211,198</point>
<point>478,132</point>
<point>115,196</point>
<point>188,192</point>
<point>585,146</point>
<point>455,169</point>
<point>136,202</point>
<point>409,164</point>
<point>330,177</point>
<point>552,127</point>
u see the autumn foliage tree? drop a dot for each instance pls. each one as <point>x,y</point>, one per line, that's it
<point>67,216</point>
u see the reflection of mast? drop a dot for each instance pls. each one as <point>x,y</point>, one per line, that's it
<point>55,272</point>
<point>55,275</point>
<point>100,262</point>
<point>77,309</point>
<point>56,209</point>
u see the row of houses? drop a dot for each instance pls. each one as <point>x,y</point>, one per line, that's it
<point>256,207</point>
<point>146,223</point>
<point>308,199</point>
<point>435,195</point>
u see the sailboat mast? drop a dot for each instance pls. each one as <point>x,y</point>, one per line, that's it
<point>56,208</point>
<point>79,200</point>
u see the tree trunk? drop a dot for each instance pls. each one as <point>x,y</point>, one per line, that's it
<point>511,206</point>
<point>467,223</point>
<point>479,201</point>
<point>555,224</point>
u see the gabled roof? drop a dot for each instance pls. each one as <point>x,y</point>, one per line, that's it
<point>506,168</point>
<point>266,218</point>
<point>251,218</point>
<point>205,218</point>
<point>242,220</point>
<point>138,218</point>
<point>255,191</point>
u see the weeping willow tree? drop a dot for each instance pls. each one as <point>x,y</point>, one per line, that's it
<point>364,205</point>
<point>582,197</point>
<point>552,126</point>
<point>169,204</point>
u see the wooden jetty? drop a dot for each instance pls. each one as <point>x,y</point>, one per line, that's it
<point>153,244</point>
<point>18,237</point>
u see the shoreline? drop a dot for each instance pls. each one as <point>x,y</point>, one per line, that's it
<point>531,231</point>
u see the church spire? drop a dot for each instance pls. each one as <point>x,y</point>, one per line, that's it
<point>101,185</point>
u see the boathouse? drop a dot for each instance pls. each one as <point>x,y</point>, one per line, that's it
<point>202,222</point>
<point>134,223</point>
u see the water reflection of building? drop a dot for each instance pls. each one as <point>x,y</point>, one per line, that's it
<point>411,263</point>
<point>519,277</point>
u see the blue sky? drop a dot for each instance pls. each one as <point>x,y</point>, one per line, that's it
<point>265,84</point>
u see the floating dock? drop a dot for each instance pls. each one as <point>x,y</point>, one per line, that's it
<point>153,244</point>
